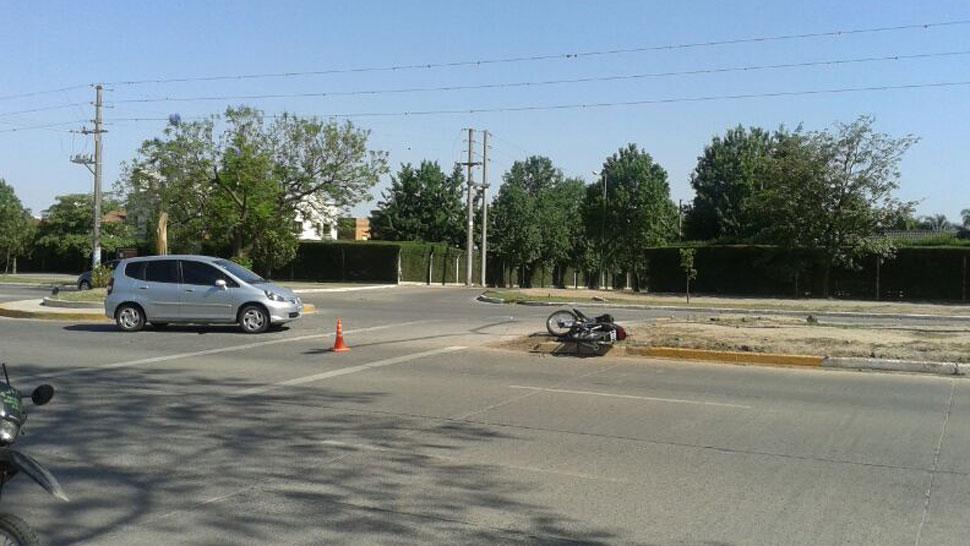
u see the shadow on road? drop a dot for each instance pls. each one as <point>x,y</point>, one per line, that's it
<point>172,328</point>
<point>157,455</point>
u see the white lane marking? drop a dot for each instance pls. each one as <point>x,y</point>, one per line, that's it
<point>217,350</point>
<point>369,447</point>
<point>632,397</point>
<point>347,370</point>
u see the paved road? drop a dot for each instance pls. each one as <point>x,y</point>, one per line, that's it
<point>422,434</point>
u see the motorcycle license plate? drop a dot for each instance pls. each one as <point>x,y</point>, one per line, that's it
<point>612,335</point>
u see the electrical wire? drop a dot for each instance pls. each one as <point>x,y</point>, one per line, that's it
<point>43,126</point>
<point>745,68</point>
<point>43,108</point>
<point>44,92</point>
<point>549,57</point>
<point>576,106</point>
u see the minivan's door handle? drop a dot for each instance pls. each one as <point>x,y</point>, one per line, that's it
<point>190,289</point>
<point>143,288</point>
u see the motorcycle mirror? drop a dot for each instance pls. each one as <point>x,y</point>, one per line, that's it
<point>42,395</point>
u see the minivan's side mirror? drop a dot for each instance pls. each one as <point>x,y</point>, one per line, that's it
<point>221,283</point>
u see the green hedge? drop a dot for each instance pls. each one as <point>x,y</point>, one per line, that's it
<point>351,261</point>
<point>914,273</point>
<point>373,261</point>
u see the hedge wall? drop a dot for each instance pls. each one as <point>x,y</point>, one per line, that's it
<point>374,261</point>
<point>915,273</point>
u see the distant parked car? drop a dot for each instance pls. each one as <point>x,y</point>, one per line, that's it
<point>199,289</point>
<point>84,281</point>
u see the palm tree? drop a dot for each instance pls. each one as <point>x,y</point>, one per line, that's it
<point>936,222</point>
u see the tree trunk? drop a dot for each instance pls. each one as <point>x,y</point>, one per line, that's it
<point>237,242</point>
<point>6,262</point>
<point>826,278</point>
<point>161,235</point>
<point>15,265</point>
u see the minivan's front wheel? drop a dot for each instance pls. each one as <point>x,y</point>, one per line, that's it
<point>130,317</point>
<point>253,319</point>
<point>15,532</point>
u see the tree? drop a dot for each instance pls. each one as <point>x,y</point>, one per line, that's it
<point>16,227</point>
<point>542,208</point>
<point>241,191</point>
<point>935,222</point>
<point>514,235</point>
<point>726,178</point>
<point>965,215</point>
<point>638,212</point>
<point>422,204</point>
<point>831,192</point>
<point>68,227</point>
<point>687,265</point>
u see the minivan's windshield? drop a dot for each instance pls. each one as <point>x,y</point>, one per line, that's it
<point>240,272</point>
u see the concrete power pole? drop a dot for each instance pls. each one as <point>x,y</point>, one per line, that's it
<point>470,227</point>
<point>97,162</point>
<point>484,203</point>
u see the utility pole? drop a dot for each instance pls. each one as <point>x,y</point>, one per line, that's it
<point>470,226</point>
<point>484,202</point>
<point>97,162</point>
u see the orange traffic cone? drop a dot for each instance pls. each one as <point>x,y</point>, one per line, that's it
<point>338,344</point>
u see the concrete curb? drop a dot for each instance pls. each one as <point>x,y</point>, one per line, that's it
<point>881,364</point>
<point>53,315</point>
<point>780,312</point>
<point>766,359</point>
<point>66,304</point>
<point>343,289</point>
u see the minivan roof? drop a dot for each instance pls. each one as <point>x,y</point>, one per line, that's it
<point>175,257</point>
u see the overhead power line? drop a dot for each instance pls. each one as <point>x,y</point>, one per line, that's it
<point>44,92</point>
<point>41,126</point>
<point>549,57</point>
<point>578,106</point>
<point>538,83</point>
<point>43,108</point>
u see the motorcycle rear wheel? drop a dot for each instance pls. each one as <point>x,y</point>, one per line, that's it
<point>15,532</point>
<point>561,322</point>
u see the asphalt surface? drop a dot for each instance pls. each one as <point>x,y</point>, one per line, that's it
<point>423,434</point>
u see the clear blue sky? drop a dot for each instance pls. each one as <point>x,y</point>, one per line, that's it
<point>53,44</point>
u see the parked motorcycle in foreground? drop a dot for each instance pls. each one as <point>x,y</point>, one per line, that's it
<point>597,334</point>
<point>13,415</point>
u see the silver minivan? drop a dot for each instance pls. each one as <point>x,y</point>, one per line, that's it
<point>200,289</point>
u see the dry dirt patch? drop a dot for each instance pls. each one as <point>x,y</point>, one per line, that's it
<point>800,336</point>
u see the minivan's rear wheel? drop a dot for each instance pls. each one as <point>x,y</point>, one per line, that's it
<point>130,317</point>
<point>84,285</point>
<point>15,532</point>
<point>253,319</point>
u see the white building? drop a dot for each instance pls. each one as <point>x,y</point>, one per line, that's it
<point>317,219</point>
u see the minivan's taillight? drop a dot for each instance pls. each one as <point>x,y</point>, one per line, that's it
<point>111,284</point>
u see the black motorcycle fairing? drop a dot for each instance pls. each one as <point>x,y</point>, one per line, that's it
<point>37,472</point>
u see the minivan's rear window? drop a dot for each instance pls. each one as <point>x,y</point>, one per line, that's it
<point>135,270</point>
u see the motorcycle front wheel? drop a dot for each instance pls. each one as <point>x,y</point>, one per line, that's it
<point>561,322</point>
<point>15,532</point>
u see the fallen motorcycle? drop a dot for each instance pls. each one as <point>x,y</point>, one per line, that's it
<point>597,334</point>
<point>13,415</point>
